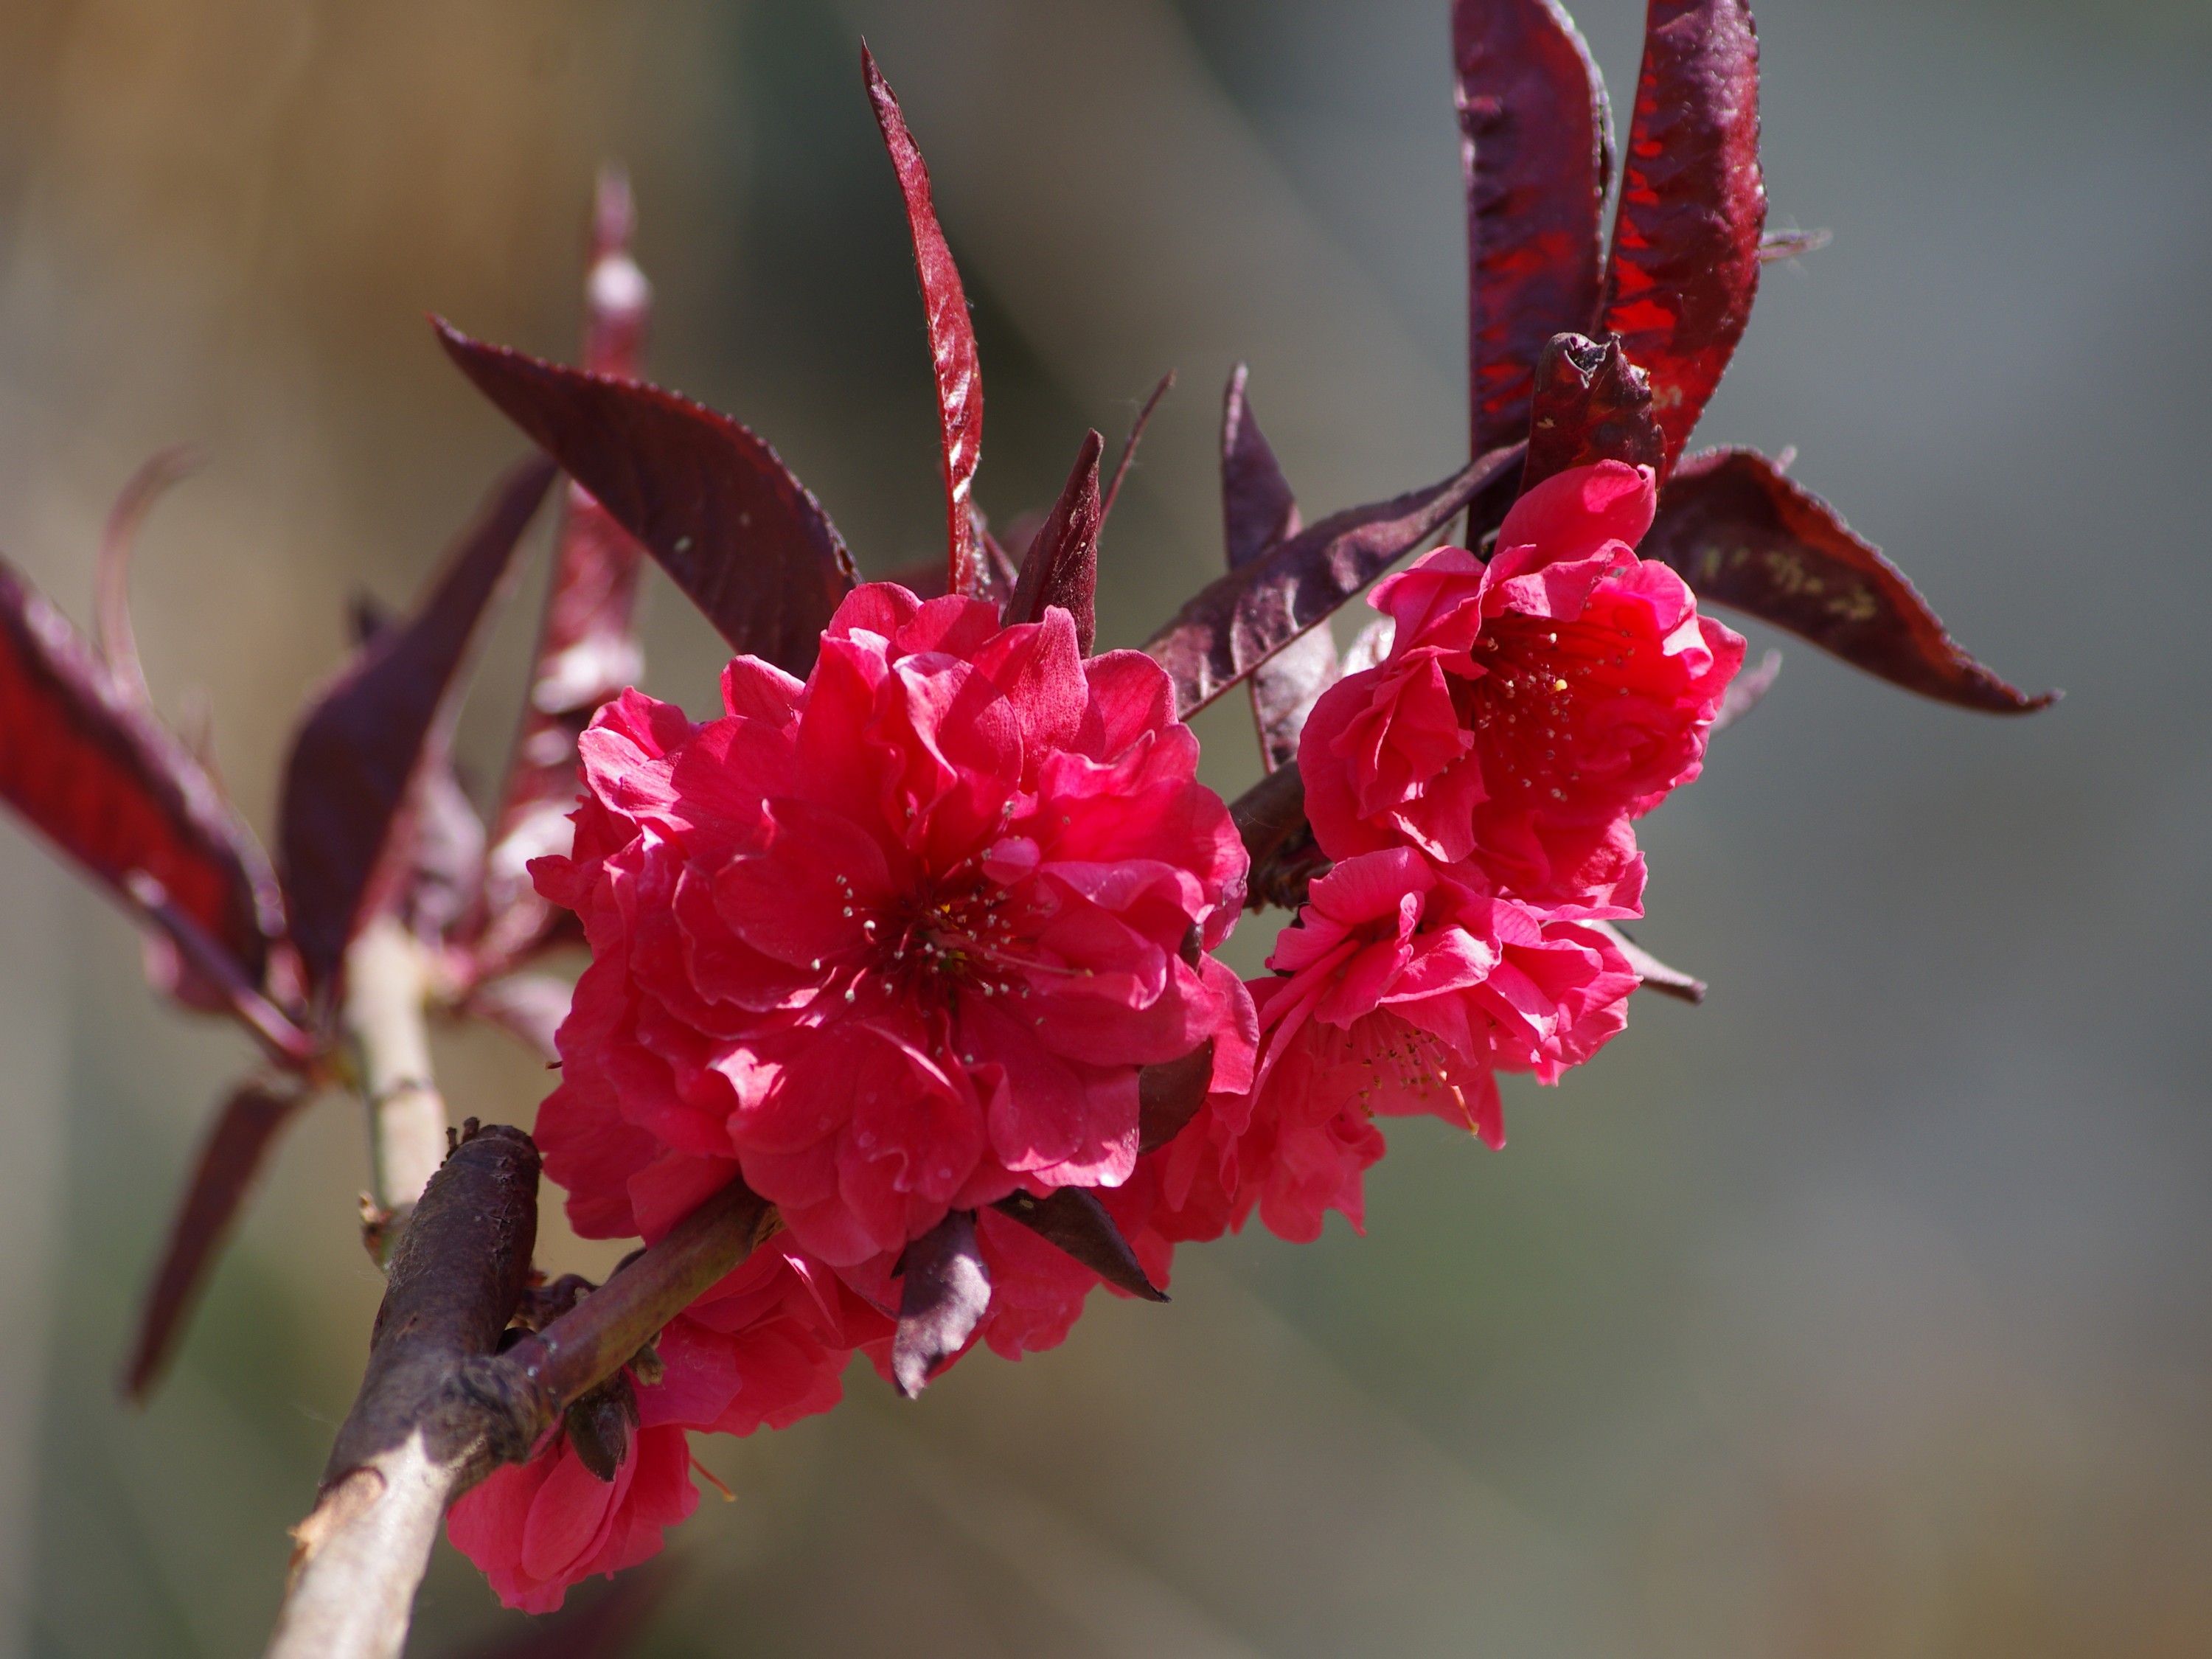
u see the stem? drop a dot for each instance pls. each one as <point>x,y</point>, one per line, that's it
<point>417,1435</point>
<point>387,977</point>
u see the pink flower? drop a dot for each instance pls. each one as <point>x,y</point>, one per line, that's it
<point>535,1528</point>
<point>892,942</point>
<point>766,1346</point>
<point>1404,991</point>
<point>1530,707</point>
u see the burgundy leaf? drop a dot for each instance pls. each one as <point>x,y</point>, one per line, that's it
<point>1164,385</point>
<point>1257,513</point>
<point>1271,818</point>
<point>712,504</point>
<point>1061,567</point>
<point>587,648</point>
<point>947,1291</point>
<point>1235,623</point>
<point>1653,974</point>
<point>1743,535</point>
<point>1536,151</point>
<point>528,1007</point>
<point>1592,404</point>
<point>245,1130</point>
<point>118,648</point>
<point>1074,1220</point>
<point>1169,1094</point>
<point>952,358</point>
<point>1686,242</point>
<point>1745,692</point>
<point>94,772</point>
<point>186,960</point>
<point>359,750</point>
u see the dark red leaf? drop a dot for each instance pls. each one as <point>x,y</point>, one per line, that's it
<point>183,957</point>
<point>1536,150</point>
<point>952,358</point>
<point>1685,243</point>
<point>1652,973</point>
<point>1271,818</point>
<point>1745,689</point>
<point>96,774</point>
<point>1235,623</point>
<point>528,1006</point>
<point>118,648</point>
<point>245,1129</point>
<point>1061,567</point>
<point>1258,511</point>
<point>587,646</point>
<point>712,503</point>
<point>1169,1094</point>
<point>946,1293</point>
<point>1072,1219</point>
<point>1743,535</point>
<point>1592,404</point>
<point>359,750</point>
<point>1164,385</point>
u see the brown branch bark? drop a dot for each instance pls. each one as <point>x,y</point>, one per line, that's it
<point>439,1409</point>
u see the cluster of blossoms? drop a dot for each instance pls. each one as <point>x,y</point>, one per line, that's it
<point>895,945</point>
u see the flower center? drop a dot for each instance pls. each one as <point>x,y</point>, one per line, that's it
<point>1528,709</point>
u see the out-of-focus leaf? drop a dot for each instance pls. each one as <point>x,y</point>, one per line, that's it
<point>1592,404</point>
<point>118,647</point>
<point>952,359</point>
<point>587,648</point>
<point>1775,245</point>
<point>710,502</point>
<point>1169,1094</point>
<point>1164,385</point>
<point>528,1006</point>
<point>1536,150</point>
<point>1745,689</point>
<point>1686,242</point>
<point>360,748</point>
<point>1370,646</point>
<point>946,1293</point>
<point>1258,511</point>
<point>1061,567</point>
<point>1653,974</point>
<point>1741,533</point>
<point>182,954</point>
<point>1072,1219</point>
<point>1235,623</point>
<point>107,784</point>
<point>245,1129</point>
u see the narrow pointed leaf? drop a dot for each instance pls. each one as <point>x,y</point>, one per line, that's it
<point>1652,973</point>
<point>1592,404</point>
<point>118,647</point>
<point>1685,243</point>
<point>362,746</point>
<point>587,647</point>
<point>1746,689</point>
<point>1164,385</point>
<point>1258,511</point>
<point>1061,567</point>
<point>239,1145</point>
<point>1074,1220</point>
<point>952,357</point>
<point>1169,1094</point>
<point>1743,535</point>
<point>946,1293</point>
<point>712,503</point>
<point>1536,152</point>
<point>91,768</point>
<point>1235,623</point>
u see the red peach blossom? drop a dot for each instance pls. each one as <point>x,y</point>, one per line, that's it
<point>892,942</point>
<point>1530,707</point>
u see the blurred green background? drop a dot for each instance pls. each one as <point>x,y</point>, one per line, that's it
<point>1861,1312</point>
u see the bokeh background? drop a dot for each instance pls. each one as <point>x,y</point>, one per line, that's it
<point>1863,1311</point>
